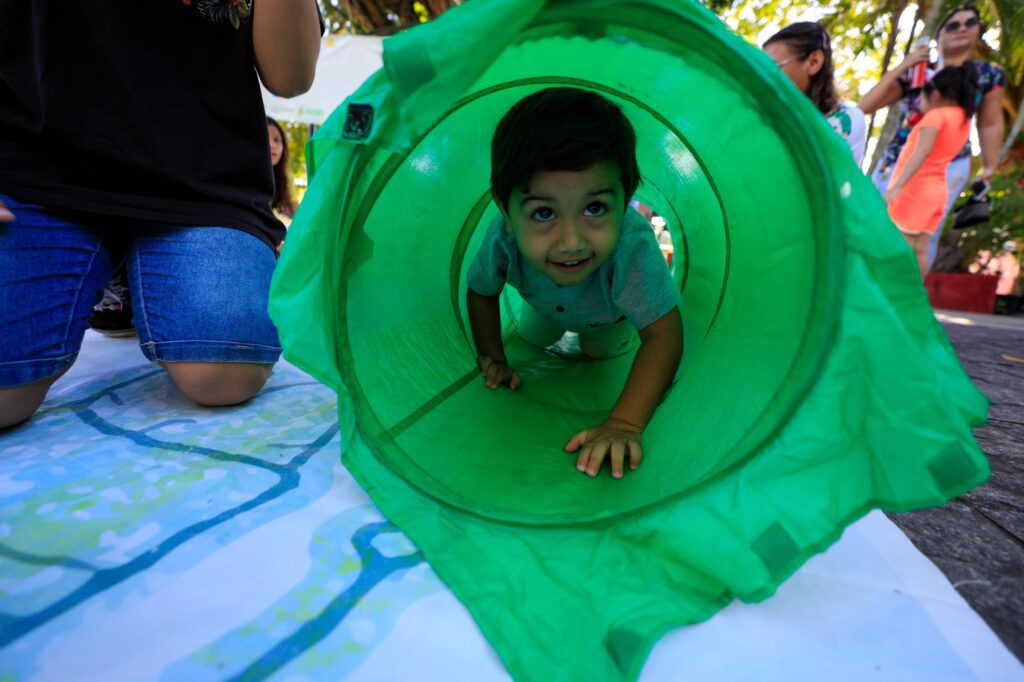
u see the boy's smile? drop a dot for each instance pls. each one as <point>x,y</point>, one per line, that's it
<point>567,223</point>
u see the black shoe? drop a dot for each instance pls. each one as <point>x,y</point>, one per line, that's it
<point>113,315</point>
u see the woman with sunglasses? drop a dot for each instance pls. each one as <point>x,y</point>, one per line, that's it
<point>958,37</point>
<point>804,53</point>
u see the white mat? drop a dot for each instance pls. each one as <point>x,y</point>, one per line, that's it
<point>144,538</point>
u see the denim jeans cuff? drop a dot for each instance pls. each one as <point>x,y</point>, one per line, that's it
<point>22,372</point>
<point>210,351</point>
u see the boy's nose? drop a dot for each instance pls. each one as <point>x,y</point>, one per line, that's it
<point>572,236</point>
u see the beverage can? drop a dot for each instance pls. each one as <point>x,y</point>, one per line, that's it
<point>919,72</point>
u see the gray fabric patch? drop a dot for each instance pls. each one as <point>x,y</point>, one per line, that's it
<point>775,547</point>
<point>624,646</point>
<point>953,470</point>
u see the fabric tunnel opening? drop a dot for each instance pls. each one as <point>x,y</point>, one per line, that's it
<point>758,267</point>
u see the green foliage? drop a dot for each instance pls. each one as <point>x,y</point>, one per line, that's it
<point>335,18</point>
<point>298,135</point>
<point>859,31</point>
<point>959,248</point>
<point>718,6</point>
<point>1007,222</point>
<point>1011,17</point>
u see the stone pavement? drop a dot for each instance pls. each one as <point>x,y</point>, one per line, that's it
<point>978,540</point>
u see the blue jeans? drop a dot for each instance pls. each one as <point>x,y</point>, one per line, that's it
<point>199,294</point>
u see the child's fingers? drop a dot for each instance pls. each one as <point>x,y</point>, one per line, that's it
<point>584,458</point>
<point>618,453</point>
<point>635,454</point>
<point>597,455</point>
<point>576,441</point>
<point>581,461</point>
<point>515,382</point>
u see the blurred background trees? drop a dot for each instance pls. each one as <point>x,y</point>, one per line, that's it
<point>869,37</point>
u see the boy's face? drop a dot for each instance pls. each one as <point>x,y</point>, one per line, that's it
<point>567,222</point>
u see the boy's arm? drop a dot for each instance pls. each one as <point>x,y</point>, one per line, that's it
<point>925,144</point>
<point>485,323</point>
<point>654,367</point>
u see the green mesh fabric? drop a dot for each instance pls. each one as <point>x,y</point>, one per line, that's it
<point>815,382</point>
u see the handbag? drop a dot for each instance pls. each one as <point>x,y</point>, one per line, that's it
<point>977,208</point>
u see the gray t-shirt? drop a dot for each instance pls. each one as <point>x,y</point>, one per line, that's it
<point>633,284</point>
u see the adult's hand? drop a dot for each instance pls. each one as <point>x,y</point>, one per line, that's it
<point>916,56</point>
<point>888,91</point>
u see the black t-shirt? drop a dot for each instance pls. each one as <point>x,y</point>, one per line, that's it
<point>134,109</point>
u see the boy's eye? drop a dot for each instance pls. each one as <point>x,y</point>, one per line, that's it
<point>543,214</point>
<point>595,209</point>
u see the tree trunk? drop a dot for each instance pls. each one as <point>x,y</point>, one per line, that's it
<point>931,19</point>
<point>890,48</point>
<point>892,116</point>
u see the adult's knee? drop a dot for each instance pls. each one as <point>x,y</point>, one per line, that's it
<point>218,384</point>
<point>18,403</point>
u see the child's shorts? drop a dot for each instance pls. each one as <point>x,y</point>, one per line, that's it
<point>604,342</point>
<point>199,294</point>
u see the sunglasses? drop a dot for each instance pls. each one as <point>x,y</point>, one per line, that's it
<point>956,25</point>
<point>786,61</point>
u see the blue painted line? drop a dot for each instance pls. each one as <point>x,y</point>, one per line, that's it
<point>166,422</point>
<point>375,568</point>
<point>139,438</point>
<point>40,560</point>
<point>104,579</point>
<point>90,399</point>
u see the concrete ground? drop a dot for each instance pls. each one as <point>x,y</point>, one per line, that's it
<point>978,540</point>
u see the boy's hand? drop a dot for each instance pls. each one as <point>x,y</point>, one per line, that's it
<point>890,194</point>
<point>612,439</point>
<point>5,213</point>
<point>497,373</point>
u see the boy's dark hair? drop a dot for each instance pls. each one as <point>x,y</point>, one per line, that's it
<point>803,38</point>
<point>561,129</point>
<point>957,83</point>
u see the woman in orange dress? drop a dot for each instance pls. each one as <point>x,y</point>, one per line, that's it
<point>917,192</point>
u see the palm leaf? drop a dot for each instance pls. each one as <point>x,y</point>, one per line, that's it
<point>1011,41</point>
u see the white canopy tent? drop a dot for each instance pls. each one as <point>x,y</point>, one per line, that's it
<point>345,62</point>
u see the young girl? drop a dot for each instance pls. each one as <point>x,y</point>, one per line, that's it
<point>804,53</point>
<point>917,190</point>
<point>284,207</point>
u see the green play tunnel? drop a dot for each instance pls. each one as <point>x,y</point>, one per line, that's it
<point>815,382</point>
<point>753,203</point>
